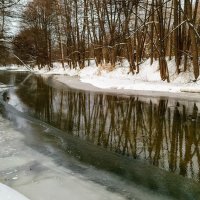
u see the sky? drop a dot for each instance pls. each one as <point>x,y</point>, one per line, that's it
<point>14,22</point>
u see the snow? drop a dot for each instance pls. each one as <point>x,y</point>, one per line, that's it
<point>148,78</point>
<point>57,68</point>
<point>7,193</point>
<point>13,67</point>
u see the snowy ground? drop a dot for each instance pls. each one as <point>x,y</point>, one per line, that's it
<point>7,193</point>
<point>148,79</point>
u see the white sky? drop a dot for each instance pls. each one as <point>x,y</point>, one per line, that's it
<point>14,22</point>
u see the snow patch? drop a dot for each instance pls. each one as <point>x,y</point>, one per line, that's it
<point>14,67</point>
<point>57,68</point>
<point>148,78</point>
<point>7,193</point>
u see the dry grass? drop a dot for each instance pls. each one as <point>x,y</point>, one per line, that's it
<point>105,67</point>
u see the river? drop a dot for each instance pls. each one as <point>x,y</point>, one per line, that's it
<point>106,146</point>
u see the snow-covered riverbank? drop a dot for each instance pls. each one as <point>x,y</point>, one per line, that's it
<point>120,80</point>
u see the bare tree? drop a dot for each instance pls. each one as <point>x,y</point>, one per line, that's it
<point>109,31</point>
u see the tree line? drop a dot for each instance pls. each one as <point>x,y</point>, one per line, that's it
<point>109,31</point>
<point>6,13</point>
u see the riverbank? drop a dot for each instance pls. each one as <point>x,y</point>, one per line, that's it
<point>120,81</point>
<point>74,82</point>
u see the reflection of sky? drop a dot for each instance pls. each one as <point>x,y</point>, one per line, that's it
<point>15,101</point>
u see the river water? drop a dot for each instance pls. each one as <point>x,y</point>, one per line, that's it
<point>127,147</point>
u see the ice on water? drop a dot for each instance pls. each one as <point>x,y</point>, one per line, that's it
<point>37,176</point>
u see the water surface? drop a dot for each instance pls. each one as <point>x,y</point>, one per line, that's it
<point>150,141</point>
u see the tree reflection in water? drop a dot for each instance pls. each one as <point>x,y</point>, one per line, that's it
<point>165,133</point>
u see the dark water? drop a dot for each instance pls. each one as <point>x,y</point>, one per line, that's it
<point>151,141</point>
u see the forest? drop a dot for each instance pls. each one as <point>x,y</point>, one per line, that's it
<point>74,32</point>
